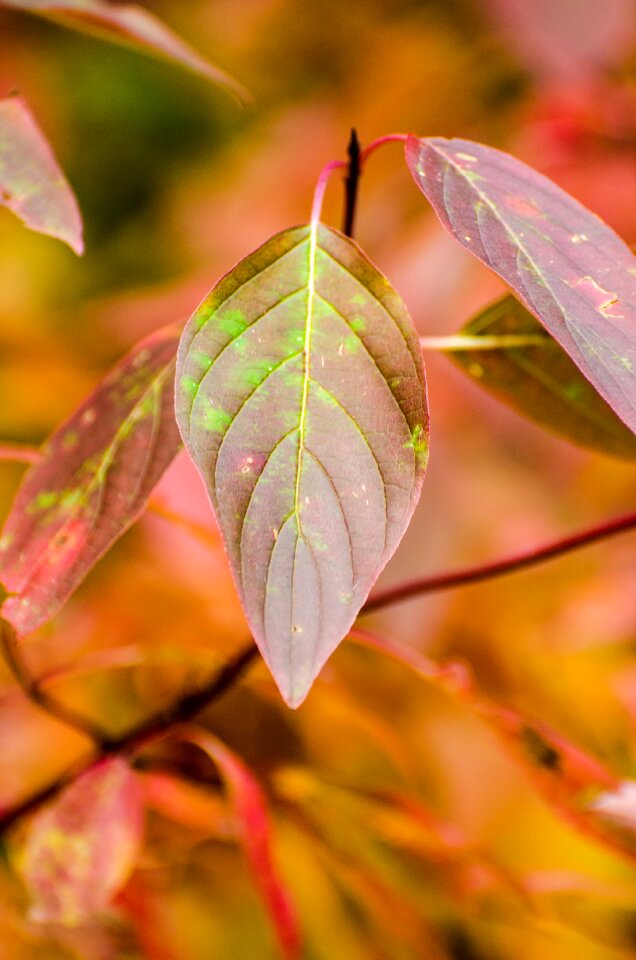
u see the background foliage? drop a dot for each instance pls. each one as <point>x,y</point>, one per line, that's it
<point>410,819</point>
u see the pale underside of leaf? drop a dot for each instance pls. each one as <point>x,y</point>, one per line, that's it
<point>568,267</point>
<point>92,482</point>
<point>539,379</point>
<point>130,25</point>
<point>300,396</point>
<point>31,183</point>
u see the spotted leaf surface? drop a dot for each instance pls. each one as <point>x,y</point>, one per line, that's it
<point>301,398</point>
<point>568,267</point>
<point>539,380</point>
<point>132,26</point>
<point>31,182</point>
<point>81,849</point>
<point>93,480</point>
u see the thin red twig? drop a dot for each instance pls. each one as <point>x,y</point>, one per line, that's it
<point>498,568</point>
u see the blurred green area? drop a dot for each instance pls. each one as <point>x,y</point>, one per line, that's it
<point>176,184</point>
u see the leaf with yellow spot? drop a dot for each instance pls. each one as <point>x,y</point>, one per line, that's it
<point>566,266</point>
<point>91,483</point>
<point>81,849</point>
<point>305,414</point>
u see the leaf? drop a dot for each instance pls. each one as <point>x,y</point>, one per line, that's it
<point>95,476</point>
<point>250,806</point>
<point>133,26</point>
<point>568,267</point>
<point>82,848</point>
<point>301,398</point>
<point>540,380</point>
<point>567,41</point>
<point>31,182</point>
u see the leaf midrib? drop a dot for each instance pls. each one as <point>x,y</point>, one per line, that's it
<point>311,293</point>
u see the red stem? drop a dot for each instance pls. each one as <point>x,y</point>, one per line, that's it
<point>389,138</point>
<point>19,453</point>
<point>498,568</point>
<point>321,186</point>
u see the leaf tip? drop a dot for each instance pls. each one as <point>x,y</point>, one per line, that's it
<point>293,688</point>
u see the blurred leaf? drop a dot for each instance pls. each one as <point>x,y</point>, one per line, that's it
<point>81,849</point>
<point>132,26</point>
<point>250,805</point>
<point>92,482</point>
<point>540,380</point>
<point>568,267</point>
<point>615,813</point>
<point>300,396</point>
<point>567,39</point>
<point>188,804</point>
<point>31,182</point>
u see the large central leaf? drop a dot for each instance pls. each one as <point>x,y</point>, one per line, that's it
<point>301,397</point>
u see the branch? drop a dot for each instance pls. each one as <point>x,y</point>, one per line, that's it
<point>32,689</point>
<point>192,703</point>
<point>140,736</point>
<point>499,568</point>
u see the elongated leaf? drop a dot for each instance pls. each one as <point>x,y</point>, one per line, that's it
<point>568,268</point>
<point>250,804</point>
<point>95,476</point>
<point>132,26</point>
<point>540,380</point>
<point>300,395</point>
<point>82,848</point>
<point>31,183</point>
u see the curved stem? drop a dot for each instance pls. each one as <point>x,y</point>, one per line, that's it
<point>389,138</point>
<point>32,689</point>
<point>321,186</point>
<point>499,568</point>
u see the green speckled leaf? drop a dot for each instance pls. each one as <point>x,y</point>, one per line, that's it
<point>301,398</point>
<point>82,847</point>
<point>565,265</point>
<point>540,380</point>
<point>31,183</point>
<point>95,476</point>
<point>133,26</point>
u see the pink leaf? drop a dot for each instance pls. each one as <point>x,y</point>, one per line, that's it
<point>301,399</point>
<point>568,267</point>
<point>31,182</point>
<point>567,39</point>
<point>250,805</point>
<point>82,848</point>
<point>132,26</point>
<point>92,482</point>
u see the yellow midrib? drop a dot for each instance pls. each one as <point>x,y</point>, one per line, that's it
<point>311,290</point>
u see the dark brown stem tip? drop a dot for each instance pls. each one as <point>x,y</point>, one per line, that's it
<point>351,183</point>
<point>353,150</point>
